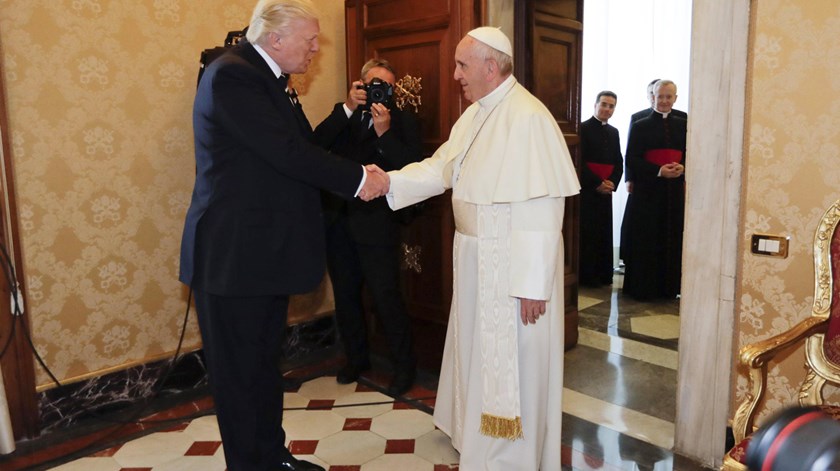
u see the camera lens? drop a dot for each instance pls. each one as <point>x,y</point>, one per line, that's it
<point>796,439</point>
<point>377,95</point>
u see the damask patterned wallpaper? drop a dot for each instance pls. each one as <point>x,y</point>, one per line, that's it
<point>792,173</point>
<point>99,96</point>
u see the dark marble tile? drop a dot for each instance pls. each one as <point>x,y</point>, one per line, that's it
<point>63,406</point>
<point>308,339</point>
<point>615,449</point>
<point>633,384</point>
<point>613,315</point>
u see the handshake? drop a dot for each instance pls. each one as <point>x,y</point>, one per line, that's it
<point>376,184</point>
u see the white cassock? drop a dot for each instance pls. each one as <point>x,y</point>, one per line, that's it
<point>509,170</point>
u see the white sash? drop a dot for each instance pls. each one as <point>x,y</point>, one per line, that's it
<point>497,317</point>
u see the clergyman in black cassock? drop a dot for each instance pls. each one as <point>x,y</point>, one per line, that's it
<point>628,176</point>
<point>653,256</point>
<point>600,175</point>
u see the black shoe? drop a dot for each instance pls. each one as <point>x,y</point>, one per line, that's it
<point>294,464</point>
<point>350,373</point>
<point>402,382</point>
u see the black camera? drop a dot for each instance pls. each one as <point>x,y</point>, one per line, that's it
<point>378,91</point>
<point>800,438</point>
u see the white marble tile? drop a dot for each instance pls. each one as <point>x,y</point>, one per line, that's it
<point>204,429</point>
<point>90,464</point>
<point>153,449</point>
<point>312,459</point>
<point>436,447</point>
<point>402,424</point>
<point>193,463</point>
<point>627,421</point>
<point>629,348</point>
<point>295,401</point>
<point>364,411</point>
<point>400,461</point>
<point>662,326</point>
<point>350,447</point>
<point>312,424</point>
<point>585,302</point>
<point>325,387</point>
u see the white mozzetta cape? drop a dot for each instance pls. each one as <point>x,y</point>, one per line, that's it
<point>518,155</point>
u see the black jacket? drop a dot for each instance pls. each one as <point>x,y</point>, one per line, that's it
<point>369,222</point>
<point>254,226</point>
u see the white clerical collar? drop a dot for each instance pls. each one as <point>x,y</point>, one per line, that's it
<point>495,97</point>
<point>664,115</point>
<point>603,123</point>
<point>268,60</point>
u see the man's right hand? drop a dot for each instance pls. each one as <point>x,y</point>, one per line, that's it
<point>356,96</point>
<point>377,183</point>
<point>672,170</point>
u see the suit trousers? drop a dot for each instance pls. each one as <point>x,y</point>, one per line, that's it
<point>352,265</point>
<point>243,339</point>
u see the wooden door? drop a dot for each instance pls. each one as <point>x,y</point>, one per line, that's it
<point>419,38</point>
<point>548,50</point>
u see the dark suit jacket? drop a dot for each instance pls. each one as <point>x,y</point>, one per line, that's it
<point>369,222</point>
<point>254,226</point>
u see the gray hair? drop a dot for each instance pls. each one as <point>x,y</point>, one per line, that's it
<point>661,83</point>
<point>377,62</point>
<point>275,16</point>
<point>504,61</point>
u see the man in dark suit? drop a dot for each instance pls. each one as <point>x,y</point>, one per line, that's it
<point>254,233</point>
<point>363,238</point>
<point>600,174</point>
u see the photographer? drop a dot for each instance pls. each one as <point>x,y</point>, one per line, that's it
<point>363,239</point>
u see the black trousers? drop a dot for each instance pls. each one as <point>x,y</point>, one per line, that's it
<point>351,265</point>
<point>243,338</point>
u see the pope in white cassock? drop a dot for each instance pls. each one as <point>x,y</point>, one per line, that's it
<point>499,395</point>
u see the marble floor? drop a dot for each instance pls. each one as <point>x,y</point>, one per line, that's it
<point>618,403</point>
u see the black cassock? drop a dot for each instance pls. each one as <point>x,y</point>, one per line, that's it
<point>600,146</point>
<point>654,222</point>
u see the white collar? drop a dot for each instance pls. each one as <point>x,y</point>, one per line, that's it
<point>268,60</point>
<point>495,97</point>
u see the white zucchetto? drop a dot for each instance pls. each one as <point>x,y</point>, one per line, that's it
<point>493,37</point>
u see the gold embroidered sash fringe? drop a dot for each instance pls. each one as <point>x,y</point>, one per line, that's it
<point>501,427</point>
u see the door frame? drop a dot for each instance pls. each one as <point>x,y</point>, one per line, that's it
<point>716,142</point>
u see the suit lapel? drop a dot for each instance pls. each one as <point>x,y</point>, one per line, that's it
<point>278,93</point>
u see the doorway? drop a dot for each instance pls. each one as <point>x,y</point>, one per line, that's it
<point>626,44</point>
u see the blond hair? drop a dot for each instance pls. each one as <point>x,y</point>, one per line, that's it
<point>276,16</point>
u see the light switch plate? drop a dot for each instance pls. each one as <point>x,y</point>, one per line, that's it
<point>770,245</point>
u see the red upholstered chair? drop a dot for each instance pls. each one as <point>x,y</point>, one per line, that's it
<point>820,332</point>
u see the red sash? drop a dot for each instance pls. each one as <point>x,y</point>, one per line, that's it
<point>602,170</point>
<point>663,156</point>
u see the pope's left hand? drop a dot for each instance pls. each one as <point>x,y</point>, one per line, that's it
<point>530,310</point>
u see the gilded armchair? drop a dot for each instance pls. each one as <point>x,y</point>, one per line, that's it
<point>820,333</point>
